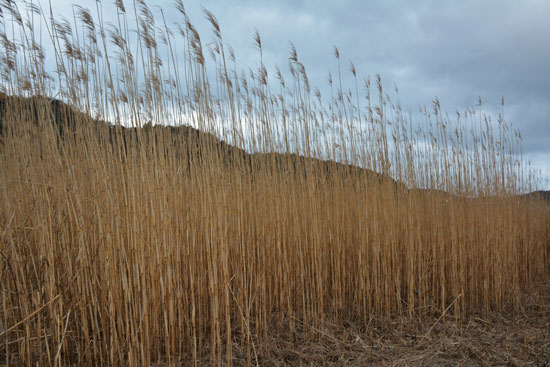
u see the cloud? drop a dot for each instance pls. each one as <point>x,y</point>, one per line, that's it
<point>456,50</point>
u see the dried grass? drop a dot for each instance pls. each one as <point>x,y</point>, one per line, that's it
<point>322,231</point>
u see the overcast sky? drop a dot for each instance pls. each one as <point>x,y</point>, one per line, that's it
<point>455,50</point>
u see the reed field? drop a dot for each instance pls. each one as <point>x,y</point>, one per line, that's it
<point>163,205</point>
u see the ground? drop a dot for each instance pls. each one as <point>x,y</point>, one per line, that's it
<point>520,339</point>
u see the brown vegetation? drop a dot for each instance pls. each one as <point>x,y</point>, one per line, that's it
<point>162,245</point>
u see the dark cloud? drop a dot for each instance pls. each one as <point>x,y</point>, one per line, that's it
<point>456,50</point>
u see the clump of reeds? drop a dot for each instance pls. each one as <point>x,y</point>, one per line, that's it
<point>139,243</point>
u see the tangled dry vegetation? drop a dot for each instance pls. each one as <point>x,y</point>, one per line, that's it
<point>267,225</point>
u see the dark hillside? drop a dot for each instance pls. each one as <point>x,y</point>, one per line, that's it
<point>186,140</point>
<point>540,194</point>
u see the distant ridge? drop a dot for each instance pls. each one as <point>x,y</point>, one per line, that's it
<point>66,118</point>
<point>539,194</point>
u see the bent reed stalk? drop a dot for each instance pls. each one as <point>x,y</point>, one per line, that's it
<point>141,242</point>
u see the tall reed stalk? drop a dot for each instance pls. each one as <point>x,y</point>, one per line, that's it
<point>147,241</point>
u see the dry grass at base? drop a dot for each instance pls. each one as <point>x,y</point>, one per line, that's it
<point>521,339</point>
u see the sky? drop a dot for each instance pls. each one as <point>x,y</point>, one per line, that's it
<point>455,50</point>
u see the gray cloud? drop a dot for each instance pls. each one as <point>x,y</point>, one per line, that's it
<point>456,50</point>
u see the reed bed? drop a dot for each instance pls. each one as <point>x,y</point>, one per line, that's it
<point>149,241</point>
